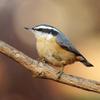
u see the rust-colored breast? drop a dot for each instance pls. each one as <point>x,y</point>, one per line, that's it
<point>53,52</point>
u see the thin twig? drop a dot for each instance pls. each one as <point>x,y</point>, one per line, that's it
<point>41,70</point>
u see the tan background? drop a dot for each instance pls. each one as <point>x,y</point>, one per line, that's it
<point>78,19</point>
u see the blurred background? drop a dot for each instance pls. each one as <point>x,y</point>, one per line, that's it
<point>78,19</point>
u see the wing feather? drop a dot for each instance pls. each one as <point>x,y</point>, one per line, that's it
<point>66,44</point>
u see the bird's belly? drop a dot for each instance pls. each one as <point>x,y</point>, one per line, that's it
<point>53,53</point>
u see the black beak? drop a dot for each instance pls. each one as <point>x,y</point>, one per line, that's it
<point>26,28</point>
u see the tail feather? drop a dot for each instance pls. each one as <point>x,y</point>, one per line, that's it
<point>84,61</point>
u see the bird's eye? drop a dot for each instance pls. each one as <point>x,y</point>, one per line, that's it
<point>33,28</point>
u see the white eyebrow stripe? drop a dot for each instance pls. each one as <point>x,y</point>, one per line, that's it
<point>47,27</point>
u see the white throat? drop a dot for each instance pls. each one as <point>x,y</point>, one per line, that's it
<point>42,35</point>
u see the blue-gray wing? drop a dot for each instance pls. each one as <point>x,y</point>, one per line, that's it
<point>66,44</point>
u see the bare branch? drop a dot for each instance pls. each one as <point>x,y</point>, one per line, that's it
<point>45,71</point>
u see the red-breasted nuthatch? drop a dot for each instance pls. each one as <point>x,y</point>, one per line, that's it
<point>55,48</point>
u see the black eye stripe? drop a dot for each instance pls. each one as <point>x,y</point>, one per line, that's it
<point>49,31</point>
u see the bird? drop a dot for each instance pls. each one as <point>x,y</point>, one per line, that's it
<point>55,48</point>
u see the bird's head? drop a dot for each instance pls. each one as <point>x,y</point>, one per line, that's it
<point>43,30</point>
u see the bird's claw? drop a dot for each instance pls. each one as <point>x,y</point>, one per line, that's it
<point>59,74</point>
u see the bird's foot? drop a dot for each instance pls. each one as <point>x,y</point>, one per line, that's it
<point>59,74</point>
<point>41,60</point>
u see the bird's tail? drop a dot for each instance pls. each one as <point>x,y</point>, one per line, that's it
<point>85,62</point>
